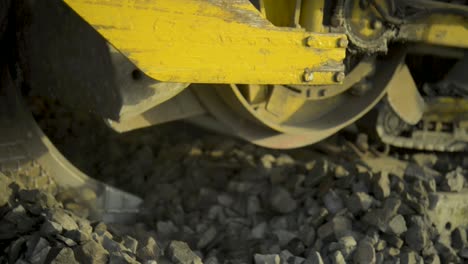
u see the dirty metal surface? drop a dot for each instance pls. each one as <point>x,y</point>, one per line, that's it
<point>403,96</point>
<point>445,30</point>
<point>315,122</point>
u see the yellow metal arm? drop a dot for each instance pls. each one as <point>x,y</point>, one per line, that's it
<point>445,30</point>
<point>213,41</point>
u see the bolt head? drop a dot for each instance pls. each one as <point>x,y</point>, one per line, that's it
<point>376,25</point>
<point>343,42</point>
<point>310,41</point>
<point>339,77</point>
<point>308,76</point>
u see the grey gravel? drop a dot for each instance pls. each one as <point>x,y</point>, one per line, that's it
<point>454,181</point>
<point>314,258</point>
<point>266,259</point>
<point>417,237</point>
<point>130,243</point>
<point>5,190</point>
<point>333,202</point>
<point>464,253</point>
<point>381,185</point>
<point>65,256</point>
<point>149,249</point>
<point>233,202</point>
<point>459,239</point>
<point>337,258</point>
<point>180,253</point>
<point>359,202</point>
<point>408,258</point>
<point>365,252</point>
<point>62,217</point>
<point>281,200</point>
<point>91,252</point>
<point>397,225</point>
<point>50,228</point>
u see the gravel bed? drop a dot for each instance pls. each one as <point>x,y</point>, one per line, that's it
<point>214,199</point>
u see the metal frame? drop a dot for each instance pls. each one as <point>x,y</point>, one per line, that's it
<point>204,41</point>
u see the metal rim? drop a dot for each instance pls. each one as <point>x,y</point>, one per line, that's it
<point>230,109</point>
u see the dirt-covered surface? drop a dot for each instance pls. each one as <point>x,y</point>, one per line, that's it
<point>214,199</point>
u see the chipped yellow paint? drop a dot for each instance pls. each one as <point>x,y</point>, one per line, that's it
<point>445,30</point>
<point>210,41</point>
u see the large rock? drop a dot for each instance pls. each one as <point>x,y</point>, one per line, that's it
<point>342,226</point>
<point>50,228</point>
<point>459,239</point>
<point>365,252</point>
<point>409,258</point>
<point>5,190</point>
<point>63,218</point>
<point>266,259</point>
<point>130,243</point>
<point>207,236</point>
<point>337,258</point>
<point>35,200</point>
<point>333,202</point>
<point>37,250</point>
<point>180,253</point>
<point>381,185</point>
<point>397,225</point>
<point>359,202</point>
<point>149,249</point>
<point>314,258</point>
<point>91,252</point>
<point>65,256</point>
<point>281,200</point>
<point>417,236</point>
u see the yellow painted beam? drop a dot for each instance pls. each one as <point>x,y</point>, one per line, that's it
<point>212,41</point>
<point>444,30</point>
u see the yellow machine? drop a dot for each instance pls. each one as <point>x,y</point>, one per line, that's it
<point>278,73</point>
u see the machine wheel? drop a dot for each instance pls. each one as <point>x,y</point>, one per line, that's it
<point>26,150</point>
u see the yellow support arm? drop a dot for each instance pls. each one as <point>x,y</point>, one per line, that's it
<point>212,41</point>
<point>444,30</point>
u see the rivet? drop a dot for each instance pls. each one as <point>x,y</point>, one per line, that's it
<point>339,77</point>
<point>376,24</point>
